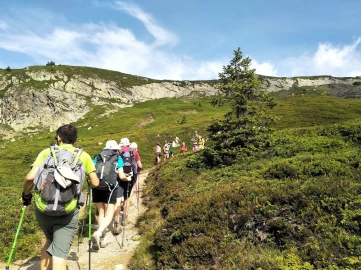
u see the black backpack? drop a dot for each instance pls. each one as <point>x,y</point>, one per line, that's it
<point>130,165</point>
<point>106,169</point>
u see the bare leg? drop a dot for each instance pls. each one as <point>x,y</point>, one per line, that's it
<point>106,217</point>
<point>117,210</point>
<point>45,263</point>
<point>59,263</point>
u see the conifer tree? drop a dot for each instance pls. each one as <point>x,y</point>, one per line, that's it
<point>241,129</point>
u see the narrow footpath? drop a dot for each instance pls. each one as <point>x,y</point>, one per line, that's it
<point>113,256</point>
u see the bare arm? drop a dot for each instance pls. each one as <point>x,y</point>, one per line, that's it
<point>28,180</point>
<point>121,174</point>
<point>93,180</point>
<point>140,165</point>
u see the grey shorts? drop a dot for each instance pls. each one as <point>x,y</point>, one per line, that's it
<point>59,231</point>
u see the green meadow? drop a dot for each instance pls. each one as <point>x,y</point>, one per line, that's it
<point>295,207</point>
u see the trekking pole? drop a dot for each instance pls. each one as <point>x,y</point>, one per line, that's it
<point>124,213</point>
<point>80,236</point>
<point>138,190</point>
<point>16,237</point>
<point>90,222</point>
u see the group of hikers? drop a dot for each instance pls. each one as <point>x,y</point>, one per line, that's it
<point>198,144</point>
<point>58,174</point>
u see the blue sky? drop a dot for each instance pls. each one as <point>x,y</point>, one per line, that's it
<point>184,39</point>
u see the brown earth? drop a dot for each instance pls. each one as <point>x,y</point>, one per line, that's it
<point>116,255</point>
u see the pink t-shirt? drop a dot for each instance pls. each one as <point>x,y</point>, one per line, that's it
<point>135,152</point>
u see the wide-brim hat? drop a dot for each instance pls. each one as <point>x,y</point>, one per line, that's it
<point>124,142</point>
<point>112,145</point>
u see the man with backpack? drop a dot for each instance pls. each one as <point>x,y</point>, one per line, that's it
<point>132,165</point>
<point>58,175</point>
<point>109,166</point>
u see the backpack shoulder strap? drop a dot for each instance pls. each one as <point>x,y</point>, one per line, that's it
<point>53,154</point>
<point>78,151</point>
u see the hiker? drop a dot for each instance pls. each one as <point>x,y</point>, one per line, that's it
<point>201,143</point>
<point>134,147</point>
<point>170,153</point>
<point>195,147</point>
<point>158,151</point>
<point>166,150</point>
<point>59,230</point>
<point>109,166</point>
<point>132,165</point>
<point>183,148</point>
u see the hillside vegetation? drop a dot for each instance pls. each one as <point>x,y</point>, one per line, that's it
<point>295,207</point>
<point>146,123</point>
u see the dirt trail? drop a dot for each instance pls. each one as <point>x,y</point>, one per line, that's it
<point>113,256</point>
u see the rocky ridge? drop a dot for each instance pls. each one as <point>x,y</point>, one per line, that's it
<point>33,99</point>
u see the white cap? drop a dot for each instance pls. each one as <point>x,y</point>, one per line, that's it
<point>133,145</point>
<point>124,142</point>
<point>112,144</point>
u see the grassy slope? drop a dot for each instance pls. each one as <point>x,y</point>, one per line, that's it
<point>296,208</point>
<point>94,130</point>
<point>136,123</point>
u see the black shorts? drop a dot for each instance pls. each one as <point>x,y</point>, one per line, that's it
<point>127,186</point>
<point>104,196</point>
<point>120,191</point>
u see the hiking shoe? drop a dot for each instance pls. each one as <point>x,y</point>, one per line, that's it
<point>96,240</point>
<point>116,228</point>
<point>103,242</point>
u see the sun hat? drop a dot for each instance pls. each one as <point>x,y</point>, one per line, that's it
<point>133,145</point>
<point>111,144</point>
<point>124,142</point>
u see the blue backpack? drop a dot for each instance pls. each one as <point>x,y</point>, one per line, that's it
<point>130,165</point>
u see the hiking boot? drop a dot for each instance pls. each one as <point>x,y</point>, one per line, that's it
<point>116,228</point>
<point>96,240</point>
<point>103,242</point>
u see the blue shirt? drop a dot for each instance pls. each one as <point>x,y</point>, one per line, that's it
<point>120,163</point>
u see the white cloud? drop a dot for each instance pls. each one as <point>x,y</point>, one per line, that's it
<point>329,59</point>
<point>105,45</point>
<point>109,46</point>
<point>162,36</point>
<point>264,68</point>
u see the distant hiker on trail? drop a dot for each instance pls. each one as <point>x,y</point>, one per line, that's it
<point>183,148</point>
<point>109,166</point>
<point>51,170</point>
<point>170,153</point>
<point>158,151</point>
<point>195,147</point>
<point>166,150</point>
<point>175,143</point>
<point>131,161</point>
<point>200,143</point>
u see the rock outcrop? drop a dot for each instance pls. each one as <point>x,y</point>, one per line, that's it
<point>42,99</point>
<point>45,97</point>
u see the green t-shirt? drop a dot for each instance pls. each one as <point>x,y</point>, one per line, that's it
<point>84,157</point>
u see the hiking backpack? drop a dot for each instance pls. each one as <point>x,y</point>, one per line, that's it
<point>130,165</point>
<point>58,182</point>
<point>106,169</point>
